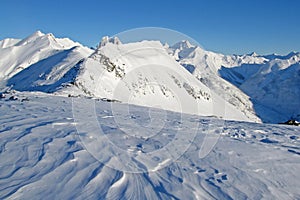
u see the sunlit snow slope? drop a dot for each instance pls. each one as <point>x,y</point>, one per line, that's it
<point>45,57</point>
<point>143,73</point>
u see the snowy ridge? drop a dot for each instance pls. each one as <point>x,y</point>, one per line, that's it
<point>151,74</point>
<point>143,73</point>
<point>105,40</point>
<point>276,86</point>
<point>266,86</point>
<point>204,66</point>
<point>272,86</point>
<point>8,42</point>
<point>34,48</point>
<point>48,75</point>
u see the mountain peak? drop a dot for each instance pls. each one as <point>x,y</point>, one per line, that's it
<point>31,38</point>
<point>105,40</point>
<point>38,33</point>
<point>292,53</point>
<point>253,54</point>
<point>276,56</point>
<point>184,44</point>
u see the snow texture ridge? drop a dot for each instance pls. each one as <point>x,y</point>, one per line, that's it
<point>41,155</point>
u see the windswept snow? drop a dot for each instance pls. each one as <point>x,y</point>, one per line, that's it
<point>42,155</point>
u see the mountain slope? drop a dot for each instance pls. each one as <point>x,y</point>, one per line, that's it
<point>204,65</point>
<point>273,86</point>
<point>20,54</point>
<point>49,74</point>
<point>276,86</point>
<point>8,42</point>
<point>267,86</point>
<point>143,73</point>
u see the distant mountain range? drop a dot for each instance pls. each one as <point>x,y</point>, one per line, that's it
<point>272,82</point>
<point>183,77</point>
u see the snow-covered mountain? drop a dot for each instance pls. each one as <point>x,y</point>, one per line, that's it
<point>204,65</point>
<point>265,85</point>
<point>90,148</point>
<point>272,85</point>
<point>141,73</point>
<point>150,74</point>
<point>16,55</point>
<point>276,86</point>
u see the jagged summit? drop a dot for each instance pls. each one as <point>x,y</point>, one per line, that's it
<point>182,49</point>
<point>105,40</point>
<point>31,38</point>
<point>254,54</point>
<point>184,44</point>
<point>36,34</point>
<point>282,57</point>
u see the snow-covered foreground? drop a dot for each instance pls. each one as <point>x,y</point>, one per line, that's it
<point>42,156</point>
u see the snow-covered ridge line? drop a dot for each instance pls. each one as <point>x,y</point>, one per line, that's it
<point>34,48</point>
<point>143,73</point>
<point>44,63</point>
<point>264,85</point>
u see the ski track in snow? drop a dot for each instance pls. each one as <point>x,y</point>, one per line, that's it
<point>41,157</point>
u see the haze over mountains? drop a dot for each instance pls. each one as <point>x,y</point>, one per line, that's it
<point>183,77</point>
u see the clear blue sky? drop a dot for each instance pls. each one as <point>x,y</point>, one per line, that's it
<point>232,26</point>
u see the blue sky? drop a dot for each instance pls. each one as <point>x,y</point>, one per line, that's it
<point>232,26</point>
